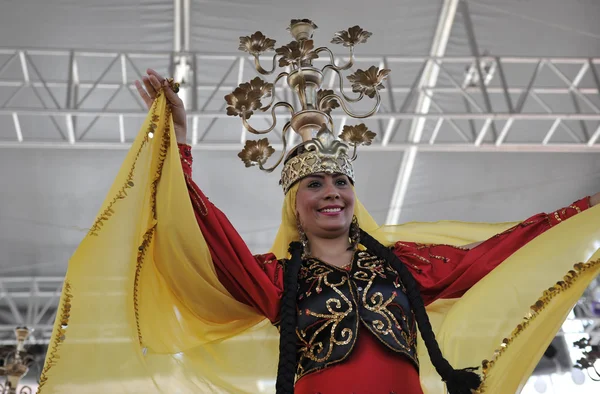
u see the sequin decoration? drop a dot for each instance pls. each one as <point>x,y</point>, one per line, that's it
<point>59,336</point>
<point>334,301</point>
<point>148,235</point>
<point>535,310</point>
<point>122,192</point>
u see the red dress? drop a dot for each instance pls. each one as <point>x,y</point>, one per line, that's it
<point>442,271</point>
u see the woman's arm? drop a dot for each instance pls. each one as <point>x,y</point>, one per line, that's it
<point>584,203</point>
<point>444,271</point>
<point>253,280</point>
<point>153,82</point>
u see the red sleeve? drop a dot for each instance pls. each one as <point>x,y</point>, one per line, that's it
<point>444,271</point>
<point>254,280</point>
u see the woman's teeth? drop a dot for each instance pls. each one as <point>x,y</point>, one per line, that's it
<point>331,210</point>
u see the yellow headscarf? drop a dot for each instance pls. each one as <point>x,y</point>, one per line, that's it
<point>443,232</point>
<point>288,229</point>
<point>142,309</point>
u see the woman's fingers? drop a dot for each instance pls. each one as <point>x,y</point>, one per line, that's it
<point>156,80</point>
<point>172,97</point>
<point>156,84</point>
<point>157,75</point>
<point>143,94</point>
<point>149,88</point>
<point>153,82</point>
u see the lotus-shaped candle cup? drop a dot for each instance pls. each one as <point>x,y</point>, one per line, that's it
<point>246,98</point>
<point>22,333</point>
<point>297,53</point>
<point>312,103</point>
<point>256,44</point>
<point>241,104</point>
<point>256,152</point>
<point>351,37</point>
<point>258,86</point>
<point>357,135</point>
<point>369,81</point>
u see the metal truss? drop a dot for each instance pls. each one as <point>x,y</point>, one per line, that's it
<point>84,90</point>
<point>429,77</point>
<point>31,302</point>
<point>487,77</point>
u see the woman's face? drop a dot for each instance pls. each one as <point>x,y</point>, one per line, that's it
<point>325,205</point>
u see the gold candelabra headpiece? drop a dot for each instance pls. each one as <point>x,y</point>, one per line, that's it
<point>320,150</point>
<point>15,366</point>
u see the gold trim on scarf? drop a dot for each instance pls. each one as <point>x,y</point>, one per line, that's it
<point>535,310</point>
<point>163,150</point>
<point>136,281</point>
<point>52,356</point>
<point>200,323</point>
<point>122,193</point>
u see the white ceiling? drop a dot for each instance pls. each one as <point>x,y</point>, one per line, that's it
<point>48,197</point>
<point>506,27</point>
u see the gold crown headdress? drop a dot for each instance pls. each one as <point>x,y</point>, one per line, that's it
<point>321,151</point>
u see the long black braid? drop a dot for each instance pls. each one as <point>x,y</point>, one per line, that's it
<point>286,370</point>
<point>458,381</point>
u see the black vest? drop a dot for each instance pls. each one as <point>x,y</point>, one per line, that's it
<point>333,301</point>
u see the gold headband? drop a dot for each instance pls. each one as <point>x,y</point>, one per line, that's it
<point>323,154</point>
<point>320,151</point>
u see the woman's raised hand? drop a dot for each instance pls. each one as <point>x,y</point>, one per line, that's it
<point>152,83</point>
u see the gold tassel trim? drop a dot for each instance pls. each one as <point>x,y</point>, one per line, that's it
<point>147,238</point>
<point>122,193</point>
<point>59,337</point>
<point>535,310</point>
<point>162,155</point>
<point>138,270</point>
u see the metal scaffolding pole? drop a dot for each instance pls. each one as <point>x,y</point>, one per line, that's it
<point>428,79</point>
<point>31,302</point>
<point>92,110</point>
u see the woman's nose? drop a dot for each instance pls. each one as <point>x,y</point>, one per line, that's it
<point>331,191</point>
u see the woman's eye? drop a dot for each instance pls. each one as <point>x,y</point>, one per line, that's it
<point>341,182</point>
<point>314,184</point>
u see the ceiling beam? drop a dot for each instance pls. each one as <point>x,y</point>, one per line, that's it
<point>15,128</point>
<point>187,24</point>
<point>177,25</point>
<point>464,8</point>
<point>182,63</point>
<point>385,115</point>
<point>428,79</point>
<point>235,146</point>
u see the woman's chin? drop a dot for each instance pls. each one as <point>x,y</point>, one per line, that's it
<point>340,227</point>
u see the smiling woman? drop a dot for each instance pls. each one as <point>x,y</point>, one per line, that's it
<point>165,285</point>
<point>348,306</point>
<point>325,206</point>
<point>163,295</point>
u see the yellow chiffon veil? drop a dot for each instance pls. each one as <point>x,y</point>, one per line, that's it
<point>142,310</point>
